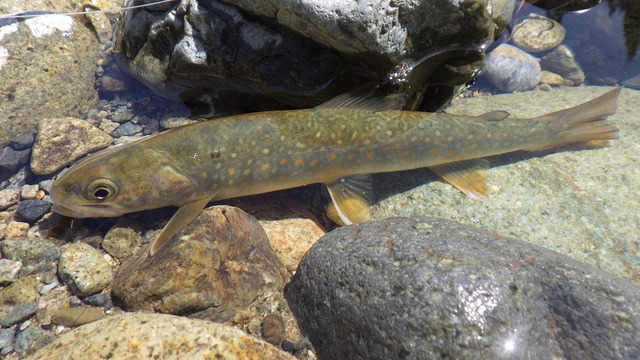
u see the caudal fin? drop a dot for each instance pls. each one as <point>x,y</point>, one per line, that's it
<point>585,122</point>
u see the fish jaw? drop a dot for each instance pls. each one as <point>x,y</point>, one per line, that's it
<point>86,211</point>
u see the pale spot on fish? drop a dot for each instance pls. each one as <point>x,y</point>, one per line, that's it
<point>265,151</point>
<point>230,182</point>
<point>249,162</point>
<point>300,145</point>
<point>414,139</point>
<point>246,171</point>
<point>265,167</point>
<point>474,146</point>
<point>469,137</point>
<point>232,171</point>
<point>450,138</point>
<point>367,142</point>
<point>234,155</point>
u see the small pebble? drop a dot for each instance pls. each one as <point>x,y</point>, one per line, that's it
<point>101,300</point>
<point>23,141</point>
<point>16,229</point>
<point>24,339</point>
<point>8,197</point>
<point>6,338</point>
<point>18,314</point>
<point>273,329</point>
<point>120,241</point>
<point>84,269</point>
<point>29,191</point>
<point>121,115</point>
<point>46,185</point>
<point>9,270</point>
<point>127,129</point>
<point>11,160</point>
<point>32,210</point>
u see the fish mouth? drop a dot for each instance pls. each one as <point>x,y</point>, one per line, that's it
<point>85,211</point>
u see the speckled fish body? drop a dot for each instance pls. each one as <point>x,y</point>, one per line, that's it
<point>261,152</point>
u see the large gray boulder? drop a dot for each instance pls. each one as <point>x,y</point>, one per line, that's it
<point>299,53</point>
<point>422,288</point>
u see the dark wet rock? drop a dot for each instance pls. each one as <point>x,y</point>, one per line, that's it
<point>562,61</point>
<point>157,335</point>
<point>116,81</point>
<point>32,210</point>
<point>76,316</point>
<point>127,129</point>
<point>11,160</point>
<point>37,255</point>
<point>61,141</point>
<point>537,34</point>
<point>511,69</point>
<point>84,269</point>
<point>27,338</point>
<point>55,55</point>
<point>18,314</point>
<point>219,263</point>
<point>421,288</point>
<point>121,240</point>
<point>24,290</point>
<point>9,270</point>
<point>101,300</point>
<point>229,53</point>
<point>22,142</point>
<point>273,330</point>
<point>8,197</point>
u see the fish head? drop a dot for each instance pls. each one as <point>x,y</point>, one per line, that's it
<point>110,184</point>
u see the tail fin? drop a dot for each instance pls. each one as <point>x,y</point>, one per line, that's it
<point>585,122</point>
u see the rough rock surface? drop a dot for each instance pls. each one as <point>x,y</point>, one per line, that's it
<point>582,203</point>
<point>55,55</point>
<point>538,33</point>
<point>36,255</point>
<point>149,336</point>
<point>219,263</point>
<point>60,141</point>
<point>213,49</point>
<point>562,61</point>
<point>421,288</point>
<point>84,269</point>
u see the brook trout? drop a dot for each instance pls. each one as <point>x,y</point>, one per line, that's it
<point>338,144</point>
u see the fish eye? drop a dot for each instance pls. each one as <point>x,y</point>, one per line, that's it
<point>101,189</point>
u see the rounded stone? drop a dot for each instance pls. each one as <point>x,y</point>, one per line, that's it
<point>562,61</point>
<point>149,336</point>
<point>120,241</point>
<point>32,210</point>
<point>421,288</point>
<point>538,33</point>
<point>511,69</point>
<point>84,269</point>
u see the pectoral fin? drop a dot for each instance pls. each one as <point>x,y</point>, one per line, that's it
<point>352,196</point>
<point>469,176</point>
<point>185,214</point>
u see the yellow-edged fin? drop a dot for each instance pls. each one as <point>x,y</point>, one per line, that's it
<point>468,175</point>
<point>352,197</point>
<point>185,214</point>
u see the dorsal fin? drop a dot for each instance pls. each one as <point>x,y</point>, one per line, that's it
<point>367,96</point>
<point>352,197</point>
<point>469,176</point>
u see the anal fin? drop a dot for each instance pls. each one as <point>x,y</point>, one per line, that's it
<point>469,176</point>
<point>185,214</point>
<point>352,196</point>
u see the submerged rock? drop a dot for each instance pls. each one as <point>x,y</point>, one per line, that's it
<point>84,269</point>
<point>61,141</point>
<point>421,288</point>
<point>297,53</point>
<point>511,69</point>
<point>219,263</point>
<point>149,336</point>
<point>47,66</point>
<point>562,61</point>
<point>538,33</point>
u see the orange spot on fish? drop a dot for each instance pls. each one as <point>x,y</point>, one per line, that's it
<point>397,146</point>
<point>283,162</point>
<point>232,171</point>
<point>312,163</point>
<point>323,149</point>
<point>298,162</point>
<point>351,156</point>
<point>204,175</point>
<point>281,177</point>
<point>369,155</point>
<point>332,157</point>
<point>385,149</point>
<point>265,167</point>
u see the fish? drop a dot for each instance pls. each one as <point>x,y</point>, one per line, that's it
<point>339,144</point>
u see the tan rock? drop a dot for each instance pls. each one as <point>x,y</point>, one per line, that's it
<point>60,141</point>
<point>549,78</point>
<point>538,33</point>
<point>157,336</point>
